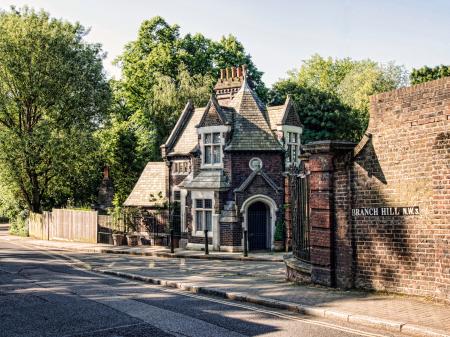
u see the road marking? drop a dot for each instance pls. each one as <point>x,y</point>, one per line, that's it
<point>106,329</point>
<point>86,269</point>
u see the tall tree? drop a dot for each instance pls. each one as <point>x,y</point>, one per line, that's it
<point>53,95</point>
<point>426,74</point>
<point>332,95</point>
<point>159,50</point>
<point>131,138</point>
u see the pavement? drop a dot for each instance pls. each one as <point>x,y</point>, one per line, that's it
<point>158,251</point>
<point>263,282</point>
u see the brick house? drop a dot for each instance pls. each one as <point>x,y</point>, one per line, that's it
<point>225,164</point>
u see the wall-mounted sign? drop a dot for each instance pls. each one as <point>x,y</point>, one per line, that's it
<point>385,211</point>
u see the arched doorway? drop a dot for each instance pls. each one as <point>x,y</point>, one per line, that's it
<point>258,226</point>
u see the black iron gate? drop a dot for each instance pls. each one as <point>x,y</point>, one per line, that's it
<point>299,192</point>
<point>257,217</point>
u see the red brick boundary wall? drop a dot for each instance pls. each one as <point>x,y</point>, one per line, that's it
<point>364,231</point>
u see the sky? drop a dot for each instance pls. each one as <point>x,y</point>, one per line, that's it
<point>279,34</point>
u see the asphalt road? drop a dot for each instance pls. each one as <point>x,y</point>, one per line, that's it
<point>44,294</point>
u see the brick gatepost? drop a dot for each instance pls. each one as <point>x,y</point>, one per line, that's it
<point>320,166</point>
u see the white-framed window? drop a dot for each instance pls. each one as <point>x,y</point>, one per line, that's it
<point>212,142</point>
<point>292,146</point>
<point>203,210</point>
<point>212,148</point>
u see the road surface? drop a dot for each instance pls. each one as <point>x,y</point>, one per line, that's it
<point>44,294</point>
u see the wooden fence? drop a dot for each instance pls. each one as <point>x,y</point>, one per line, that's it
<point>39,225</point>
<point>74,225</point>
<point>88,226</point>
<point>64,224</point>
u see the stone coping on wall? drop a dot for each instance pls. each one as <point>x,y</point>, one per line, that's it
<point>324,146</point>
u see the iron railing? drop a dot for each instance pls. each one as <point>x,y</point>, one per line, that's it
<point>300,210</point>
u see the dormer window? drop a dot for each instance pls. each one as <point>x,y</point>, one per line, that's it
<point>212,143</point>
<point>212,148</point>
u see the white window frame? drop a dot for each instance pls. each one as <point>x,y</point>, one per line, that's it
<point>288,129</point>
<point>221,129</point>
<point>202,195</point>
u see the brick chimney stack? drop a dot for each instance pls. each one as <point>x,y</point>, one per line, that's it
<point>228,85</point>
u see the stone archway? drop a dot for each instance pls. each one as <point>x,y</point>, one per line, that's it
<point>261,206</point>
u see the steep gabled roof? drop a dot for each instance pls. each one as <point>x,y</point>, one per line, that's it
<point>181,123</point>
<point>251,130</point>
<point>279,113</point>
<point>152,182</point>
<point>184,137</point>
<point>252,176</point>
<point>213,108</point>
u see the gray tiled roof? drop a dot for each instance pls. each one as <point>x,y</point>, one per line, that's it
<point>188,139</point>
<point>251,130</point>
<point>278,113</point>
<point>151,182</point>
<point>209,179</point>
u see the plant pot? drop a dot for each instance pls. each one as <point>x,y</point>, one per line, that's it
<point>157,241</point>
<point>278,246</point>
<point>132,240</point>
<point>144,241</point>
<point>118,239</point>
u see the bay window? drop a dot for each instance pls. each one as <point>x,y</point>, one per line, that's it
<point>203,214</point>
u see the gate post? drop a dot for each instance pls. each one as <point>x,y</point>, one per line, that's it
<point>322,234</point>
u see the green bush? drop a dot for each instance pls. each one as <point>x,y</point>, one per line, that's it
<point>279,231</point>
<point>19,225</point>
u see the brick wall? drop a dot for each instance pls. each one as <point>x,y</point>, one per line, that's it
<point>405,162</point>
<point>273,165</point>
<point>231,234</point>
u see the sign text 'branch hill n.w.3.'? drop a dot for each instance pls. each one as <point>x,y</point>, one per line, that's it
<point>385,211</point>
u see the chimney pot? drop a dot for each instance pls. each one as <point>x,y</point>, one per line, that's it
<point>244,69</point>
<point>228,73</point>
<point>233,72</point>
<point>222,74</point>
<point>239,71</point>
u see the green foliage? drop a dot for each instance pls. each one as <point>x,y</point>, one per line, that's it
<point>53,95</point>
<point>323,115</point>
<point>279,231</point>
<point>131,138</point>
<point>18,226</point>
<point>332,95</point>
<point>160,50</point>
<point>426,74</point>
